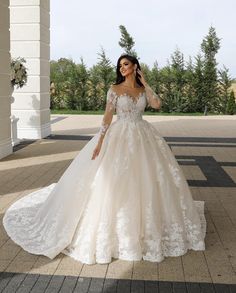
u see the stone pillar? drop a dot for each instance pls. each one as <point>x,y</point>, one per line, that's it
<point>30,39</point>
<point>5,85</point>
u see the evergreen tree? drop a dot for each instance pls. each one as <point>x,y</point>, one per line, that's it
<point>225,82</point>
<point>210,46</point>
<point>106,73</point>
<point>156,78</point>
<point>198,83</point>
<point>95,92</point>
<point>177,70</point>
<point>231,105</point>
<point>82,85</point>
<point>183,86</point>
<point>126,41</point>
<point>167,86</point>
<point>189,87</point>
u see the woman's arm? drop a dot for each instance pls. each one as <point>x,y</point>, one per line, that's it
<point>106,121</point>
<point>109,111</point>
<point>153,100</point>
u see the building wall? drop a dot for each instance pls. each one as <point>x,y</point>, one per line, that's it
<point>5,87</point>
<point>30,38</point>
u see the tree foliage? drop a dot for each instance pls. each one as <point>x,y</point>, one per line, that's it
<point>210,47</point>
<point>106,73</point>
<point>231,105</point>
<point>195,85</point>
<point>126,41</point>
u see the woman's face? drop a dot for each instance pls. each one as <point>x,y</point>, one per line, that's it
<point>126,67</point>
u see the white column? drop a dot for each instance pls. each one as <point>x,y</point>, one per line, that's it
<point>5,87</point>
<point>30,38</point>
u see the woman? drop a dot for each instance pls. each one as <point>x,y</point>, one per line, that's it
<point>123,196</point>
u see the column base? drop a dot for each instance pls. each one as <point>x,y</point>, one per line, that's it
<point>5,148</point>
<point>14,138</point>
<point>35,132</point>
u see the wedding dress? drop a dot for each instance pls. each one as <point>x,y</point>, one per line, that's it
<point>132,202</point>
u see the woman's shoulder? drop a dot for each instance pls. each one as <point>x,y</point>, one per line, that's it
<point>112,89</point>
<point>114,86</point>
<point>115,89</point>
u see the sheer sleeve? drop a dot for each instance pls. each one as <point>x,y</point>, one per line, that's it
<point>152,98</point>
<point>109,111</point>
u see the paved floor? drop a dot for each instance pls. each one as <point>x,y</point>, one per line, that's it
<point>205,148</point>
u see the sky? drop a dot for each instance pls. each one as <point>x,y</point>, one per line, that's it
<point>82,28</point>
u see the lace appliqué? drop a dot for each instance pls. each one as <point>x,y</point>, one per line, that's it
<point>109,111</point>
<point>152,98</point>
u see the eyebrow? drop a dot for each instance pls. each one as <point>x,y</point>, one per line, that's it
<point>124,62</point>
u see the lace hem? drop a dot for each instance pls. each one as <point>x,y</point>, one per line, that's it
<point>172,243</point>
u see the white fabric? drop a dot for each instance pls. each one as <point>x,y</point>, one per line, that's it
<point>132,202</point>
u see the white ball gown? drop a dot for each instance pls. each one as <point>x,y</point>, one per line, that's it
<point>132,202</point>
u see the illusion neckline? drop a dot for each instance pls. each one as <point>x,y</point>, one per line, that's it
<point>134,99</point>
<point>130,87</point>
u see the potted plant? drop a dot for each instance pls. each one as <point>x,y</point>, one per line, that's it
<point>18,80</point>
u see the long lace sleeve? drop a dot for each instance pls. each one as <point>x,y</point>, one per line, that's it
<point>152,98</point>
<point>109,111</point>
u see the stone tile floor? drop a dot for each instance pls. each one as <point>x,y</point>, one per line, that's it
<point>205,148</point>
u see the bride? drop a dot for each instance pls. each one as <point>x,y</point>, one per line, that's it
<point>123,196</point>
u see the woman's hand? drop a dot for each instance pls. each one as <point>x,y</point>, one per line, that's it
<point>97,150</point>
<point>141,77</point>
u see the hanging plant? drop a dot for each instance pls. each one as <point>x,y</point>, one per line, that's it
<point>18,72</point>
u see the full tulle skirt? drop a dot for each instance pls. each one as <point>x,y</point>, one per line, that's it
<point>132,202</point>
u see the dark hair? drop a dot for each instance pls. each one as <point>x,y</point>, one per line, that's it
<point>119,77</point>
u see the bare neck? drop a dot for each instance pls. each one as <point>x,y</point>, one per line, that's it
<point>130,81</point>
